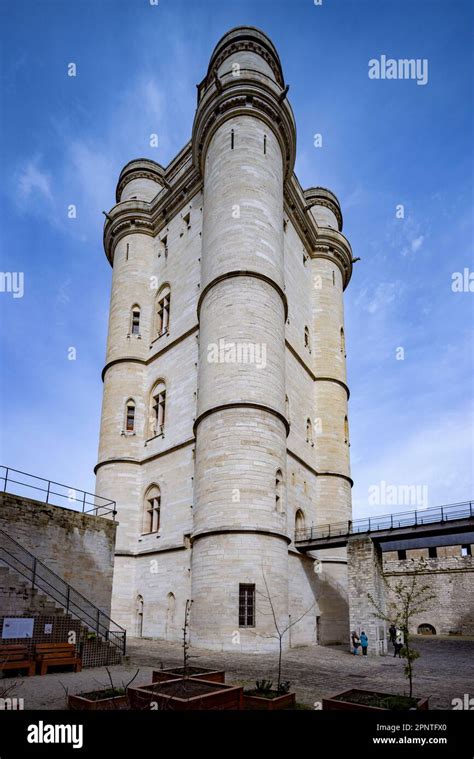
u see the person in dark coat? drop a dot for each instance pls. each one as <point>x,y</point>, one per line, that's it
<point>392,631</point>
<point>364,642</point>
<point>355,642</point>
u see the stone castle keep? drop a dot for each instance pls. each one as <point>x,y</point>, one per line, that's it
<point>224,421</point>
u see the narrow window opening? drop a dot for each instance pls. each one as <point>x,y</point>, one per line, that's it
<point>402,554</point>
<point>158,408</point>
<point>126,251</point>
<point>432,552</point>
<point>466,550</point>
<point>231,139</point>
<point>151,521</point>
<point>130,417</point>
<point>333,278</point>
<point>264,144</point>
<point>278,491</point>
<point>136,321</point>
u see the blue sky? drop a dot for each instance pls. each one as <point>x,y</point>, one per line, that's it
<point>385,143</point>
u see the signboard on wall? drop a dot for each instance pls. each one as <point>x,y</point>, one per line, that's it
<point>18,627</point>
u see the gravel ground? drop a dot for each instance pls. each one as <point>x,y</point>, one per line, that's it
<point>444,671</point>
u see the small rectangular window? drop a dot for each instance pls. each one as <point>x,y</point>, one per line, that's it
<point>135,322</point>
<point>130,418</point>
<point>402,555</point>
<point>432,552</point>
<point>466,550</point>
<point>246,605</point>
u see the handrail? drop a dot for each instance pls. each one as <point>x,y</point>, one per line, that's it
<point>415,518</point>
<point>100,506</point>
<point>25,563</point>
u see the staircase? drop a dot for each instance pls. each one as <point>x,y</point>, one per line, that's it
<point>29,587</point>
<point>19,599</point>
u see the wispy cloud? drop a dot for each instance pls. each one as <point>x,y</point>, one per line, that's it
<point>31,181</point>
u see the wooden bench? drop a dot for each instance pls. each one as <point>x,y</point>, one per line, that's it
<point>56,655</point>
<point>16,656</point>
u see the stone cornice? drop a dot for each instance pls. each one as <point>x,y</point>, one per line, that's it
<point>243,273</point>
<point>139,462</point>
<point>244,96</point>
<point>182,182</point>
<point>150,359</point>
<point>309,371</point>
<point>332,245</point>
<point>240,531</point>
<point>241,404</point>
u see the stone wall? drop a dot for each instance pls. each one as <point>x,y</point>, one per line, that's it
<point>77,547</point>
<point>451,581</point>
<point>364,565</point>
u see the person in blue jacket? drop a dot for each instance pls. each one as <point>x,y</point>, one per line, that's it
<point>364,642</point>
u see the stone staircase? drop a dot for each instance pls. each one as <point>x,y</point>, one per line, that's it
<point>18,598</point>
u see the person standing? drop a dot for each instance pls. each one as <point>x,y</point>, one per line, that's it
<point>398,644</point>
<point>392,631</point>
<point>364,642</point>
<point>355,642</point>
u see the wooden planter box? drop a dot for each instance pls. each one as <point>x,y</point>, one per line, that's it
<point>174,673</point>
<point>184,695</point>
<point>286,701</point>
<point>334,703</point>
<point>82,703</point>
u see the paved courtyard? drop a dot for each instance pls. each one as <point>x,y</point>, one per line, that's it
<point>444,671</point>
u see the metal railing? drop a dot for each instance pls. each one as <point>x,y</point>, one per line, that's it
<point>22,483</point>
<point>27,565</point>
<point>440,514</point>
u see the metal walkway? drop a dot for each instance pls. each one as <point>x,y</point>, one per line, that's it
<point>430,522</point>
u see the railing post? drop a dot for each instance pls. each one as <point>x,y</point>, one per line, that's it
<point>369,525</point>
<point>391,521</point>
<point>442,514</point>
<point>6,480</point>
<point>67,598</point>
<point>47,492</point>
<point>98,621</point>
<point>83,502</point>
<point>416,517</point>
<point>124,642</point>
<point>34,575</point>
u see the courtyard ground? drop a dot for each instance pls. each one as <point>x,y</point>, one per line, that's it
<point>444,671</point>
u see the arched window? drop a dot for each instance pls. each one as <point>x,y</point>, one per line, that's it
<point>170,610</point>
<point>307,342</point>
<point>135,320</point>
<point>279,491</point>
<point>346,431</point>
<point>162,312</point>
<point>157,409</point>
<point>130,415</point>
<point>299,521</point>
<point>152,508</point>
<point>343,342</point>
<point>309,432</point>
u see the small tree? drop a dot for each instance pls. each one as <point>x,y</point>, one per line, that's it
<point>280,630</point>
<point>409,599</point>
<point>186,655</point>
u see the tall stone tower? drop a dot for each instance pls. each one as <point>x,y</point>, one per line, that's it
<point>224,420</point>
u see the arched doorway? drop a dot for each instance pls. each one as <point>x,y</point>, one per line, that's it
<point>426,629</point>
<point>139,617</point>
